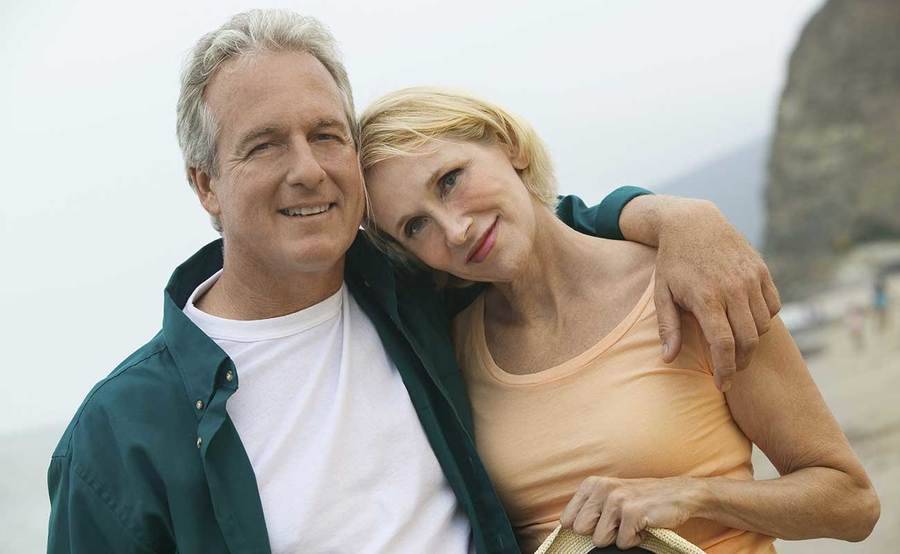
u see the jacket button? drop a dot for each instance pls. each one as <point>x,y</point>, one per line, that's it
<point>199,404</point>
<point>199,441</point>
<point>229,376</point>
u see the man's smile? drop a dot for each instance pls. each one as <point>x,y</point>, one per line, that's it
<point>306,211</point>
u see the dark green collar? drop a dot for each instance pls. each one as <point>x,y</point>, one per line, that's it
<point>199,359</point>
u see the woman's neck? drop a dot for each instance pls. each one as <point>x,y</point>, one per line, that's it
<point>552,277</point>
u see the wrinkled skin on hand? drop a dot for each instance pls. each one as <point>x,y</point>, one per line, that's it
<point>706,267</point>
<point>617,510</point>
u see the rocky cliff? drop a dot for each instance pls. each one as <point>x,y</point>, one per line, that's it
<point>834,170</point>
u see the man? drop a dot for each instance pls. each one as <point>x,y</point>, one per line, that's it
<point>350,430</point>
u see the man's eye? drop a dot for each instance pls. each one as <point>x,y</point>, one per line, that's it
<point>328,137</point>
<point>261,147</point>
<point>414,226</point>
<point>448,181</point>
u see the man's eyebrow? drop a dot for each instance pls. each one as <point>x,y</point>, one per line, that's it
<point>329,122</point>
<point>253,135</point>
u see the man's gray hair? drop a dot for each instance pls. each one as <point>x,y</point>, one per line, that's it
<point>246,33</point>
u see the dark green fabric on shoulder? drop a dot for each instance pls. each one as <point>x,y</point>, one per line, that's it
<point>151,462</point>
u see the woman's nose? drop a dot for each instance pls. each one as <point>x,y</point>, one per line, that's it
<point>457,230</point>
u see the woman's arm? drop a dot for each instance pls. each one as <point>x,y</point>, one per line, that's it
<point>823,490</point>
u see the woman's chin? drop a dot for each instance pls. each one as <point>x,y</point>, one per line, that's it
<point>486,275</point>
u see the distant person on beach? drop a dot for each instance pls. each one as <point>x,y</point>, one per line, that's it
<point>578,418</point>
<point>856,326</point>
<point>880,301</point>
<point>302,394</point>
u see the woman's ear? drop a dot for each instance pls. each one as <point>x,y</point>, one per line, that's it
<point>517,156</point>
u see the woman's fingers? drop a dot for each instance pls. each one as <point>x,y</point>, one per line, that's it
<point>630,527</point>
<point>567,519</point>
<point>607,527</point>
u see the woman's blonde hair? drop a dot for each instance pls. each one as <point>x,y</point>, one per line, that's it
<point>402,123</point>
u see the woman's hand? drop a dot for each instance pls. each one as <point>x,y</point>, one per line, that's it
<point>617,510</point>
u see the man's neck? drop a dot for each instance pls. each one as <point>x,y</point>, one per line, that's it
<point>246,291</point>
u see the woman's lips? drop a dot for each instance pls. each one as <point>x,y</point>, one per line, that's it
<point>486,245</point>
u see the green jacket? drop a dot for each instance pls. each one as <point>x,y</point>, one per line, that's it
<point>151,461</point>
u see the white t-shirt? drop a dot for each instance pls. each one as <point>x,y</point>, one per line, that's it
<point>341,460</point>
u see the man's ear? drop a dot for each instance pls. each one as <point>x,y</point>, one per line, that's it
<point>205,192</point>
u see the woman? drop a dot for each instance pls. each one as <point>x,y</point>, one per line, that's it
<point>467,189</point>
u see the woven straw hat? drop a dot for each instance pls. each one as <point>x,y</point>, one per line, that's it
<point>658,541</point>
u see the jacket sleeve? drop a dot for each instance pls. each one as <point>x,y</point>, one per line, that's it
<point>82,520</point>
<point>601,220</point>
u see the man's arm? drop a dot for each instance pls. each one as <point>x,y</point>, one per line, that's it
<point>601,220</point>
<point>82,518</point>
<point>704,266</point>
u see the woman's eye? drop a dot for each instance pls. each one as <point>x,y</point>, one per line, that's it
<point>448,180</point>
<point>414,226</point>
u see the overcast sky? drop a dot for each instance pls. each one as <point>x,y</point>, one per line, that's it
<point>96,213</point>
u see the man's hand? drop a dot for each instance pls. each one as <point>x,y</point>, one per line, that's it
<point>706,267</point>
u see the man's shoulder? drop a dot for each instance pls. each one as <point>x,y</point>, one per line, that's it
<point>144,386</point>
<point>129,444</point>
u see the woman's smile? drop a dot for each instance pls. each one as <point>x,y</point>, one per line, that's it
<point>485,244</point>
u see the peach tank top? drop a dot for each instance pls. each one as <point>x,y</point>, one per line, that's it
<point>615,410</point>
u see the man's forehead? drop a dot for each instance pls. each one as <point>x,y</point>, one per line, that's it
<point>277,86</point>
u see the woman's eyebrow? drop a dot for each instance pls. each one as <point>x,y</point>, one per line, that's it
<point>401,222</point>
<point>436,174</point>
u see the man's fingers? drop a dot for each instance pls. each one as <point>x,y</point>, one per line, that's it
<point>724,378</point>
<point>717,332</point>
<point>770,293</point>
<point>669,321</point>
<point>760,310</point>
<point>743,326</point>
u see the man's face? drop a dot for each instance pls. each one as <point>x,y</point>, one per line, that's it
<point>289,190</point>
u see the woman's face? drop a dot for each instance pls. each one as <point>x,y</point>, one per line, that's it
<point>459,207</point>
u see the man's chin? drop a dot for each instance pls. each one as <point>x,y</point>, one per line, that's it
<point>320,257</point>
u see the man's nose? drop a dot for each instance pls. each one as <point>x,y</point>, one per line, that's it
<point>305,170</point>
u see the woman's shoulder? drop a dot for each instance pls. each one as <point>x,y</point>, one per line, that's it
<point>622,262</point>
<point>467,320</point>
